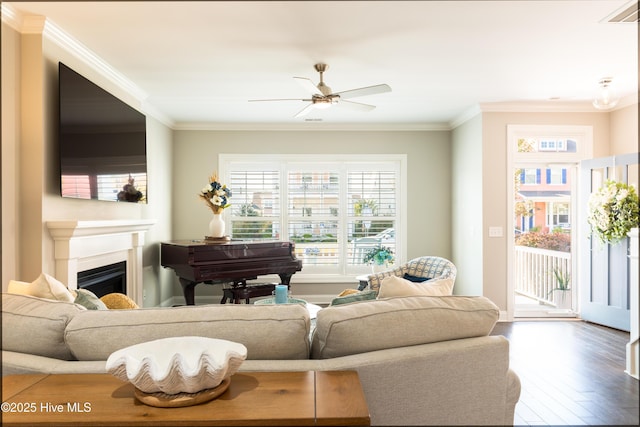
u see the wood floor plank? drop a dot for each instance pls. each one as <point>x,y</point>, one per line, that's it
<point>572,373</point>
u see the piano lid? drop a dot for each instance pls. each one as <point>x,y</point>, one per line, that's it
<point>247,250</point>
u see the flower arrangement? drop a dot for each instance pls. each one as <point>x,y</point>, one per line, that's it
<point>216,195</point>
<point>378,255</point>
<point>129,192</point>
<point>613,211</point>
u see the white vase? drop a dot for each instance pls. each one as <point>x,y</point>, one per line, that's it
<point>377,268</point>
<point>216,226</point>
<point>562,299</point>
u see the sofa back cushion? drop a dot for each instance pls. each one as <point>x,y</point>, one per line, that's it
<point>401,321</point>
<point>36,325</point>
<point>268,331</point>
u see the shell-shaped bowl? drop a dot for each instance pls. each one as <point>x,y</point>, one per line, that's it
<point>178,364</point>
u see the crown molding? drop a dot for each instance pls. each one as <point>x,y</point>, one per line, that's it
<point>465,116</point>
<point>538,107</point>
<point>11,17</point>
<point>58,36</point>
<point>358,127</point>
<point>35,24</point>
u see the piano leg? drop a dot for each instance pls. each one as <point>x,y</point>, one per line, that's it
<point>225,296</point>
<point>285,278</point>
<point>189,290</point>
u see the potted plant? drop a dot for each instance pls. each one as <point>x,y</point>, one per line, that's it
<point>561,293</point>
<point>379,257</point>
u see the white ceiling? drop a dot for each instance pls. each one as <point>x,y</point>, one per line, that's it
<point>198,63</point>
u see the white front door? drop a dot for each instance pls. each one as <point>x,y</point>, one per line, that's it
<point>605,287</point>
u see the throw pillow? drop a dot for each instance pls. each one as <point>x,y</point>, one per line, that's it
<point>394,286</point>
<point>358,296</point>
<point>17,287</point>
<point>347,292</point>
<point>118,301</point>
<point>44,286</point>
<point>89,300</point>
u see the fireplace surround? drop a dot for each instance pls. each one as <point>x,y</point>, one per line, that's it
<point>84,245</point>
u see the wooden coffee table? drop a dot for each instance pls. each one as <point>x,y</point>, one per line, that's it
<point>332,398</point>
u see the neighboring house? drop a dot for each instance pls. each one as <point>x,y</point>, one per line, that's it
<point>545,193</point>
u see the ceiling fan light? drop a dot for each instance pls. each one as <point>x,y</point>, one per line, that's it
<point>322,105</point>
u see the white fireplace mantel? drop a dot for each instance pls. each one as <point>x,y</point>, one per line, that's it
<point>84,245</point>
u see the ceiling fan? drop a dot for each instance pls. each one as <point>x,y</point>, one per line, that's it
<point>322,97</point>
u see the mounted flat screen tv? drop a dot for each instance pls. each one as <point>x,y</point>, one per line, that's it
<point>103,143</point>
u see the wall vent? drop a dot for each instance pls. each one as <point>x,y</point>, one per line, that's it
<point>626,14</point>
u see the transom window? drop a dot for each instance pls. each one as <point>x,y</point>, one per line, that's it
<point>334,210</point>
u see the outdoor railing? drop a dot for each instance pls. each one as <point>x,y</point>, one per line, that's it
<point>534,271</point>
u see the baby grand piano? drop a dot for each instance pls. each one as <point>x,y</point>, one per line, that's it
<point>235,261</point>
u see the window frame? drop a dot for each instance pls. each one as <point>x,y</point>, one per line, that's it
<point>285,162</point>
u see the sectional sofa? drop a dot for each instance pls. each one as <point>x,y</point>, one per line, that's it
<point>421,359</point>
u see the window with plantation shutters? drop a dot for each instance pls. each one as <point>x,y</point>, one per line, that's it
<point>334,210</point>
<point>313,206</point>
<point>255,203</point>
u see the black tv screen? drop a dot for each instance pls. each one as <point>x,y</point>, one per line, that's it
<point>103,143</point>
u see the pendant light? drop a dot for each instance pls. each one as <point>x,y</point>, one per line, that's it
<point>606,98</point>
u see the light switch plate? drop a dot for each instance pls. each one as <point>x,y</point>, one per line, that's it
<point>495,232</point>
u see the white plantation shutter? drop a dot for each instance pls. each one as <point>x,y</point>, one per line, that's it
<point>255,204</point>
<point>373,210</point>
<point>313,204</point>
<point>333,210</point>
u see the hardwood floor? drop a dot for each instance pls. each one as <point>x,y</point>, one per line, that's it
<point>572,373</point>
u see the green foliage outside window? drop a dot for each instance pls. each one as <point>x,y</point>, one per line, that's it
<point>551,241</point>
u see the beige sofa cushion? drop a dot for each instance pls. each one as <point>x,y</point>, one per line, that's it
<point>36,325</point>
<point>397,322</point>
<point>268,331</point>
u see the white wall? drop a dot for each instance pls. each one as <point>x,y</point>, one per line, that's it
<point>624,130</point>
<point>467,178</point>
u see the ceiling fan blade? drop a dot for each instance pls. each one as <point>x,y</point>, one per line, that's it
<point>308,86</point>
<point>358,106</point>
<point>281,99</point>
<point>363,91</point>
<point>305,110</point>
